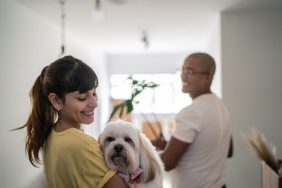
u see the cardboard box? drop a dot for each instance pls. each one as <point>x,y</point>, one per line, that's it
<point>270,179</point>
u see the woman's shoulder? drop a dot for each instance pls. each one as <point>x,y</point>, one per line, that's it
<point>80,139</point>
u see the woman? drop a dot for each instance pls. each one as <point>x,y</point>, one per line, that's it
<point>63,98</point>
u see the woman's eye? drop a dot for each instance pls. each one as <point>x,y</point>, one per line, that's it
<point>82,99</point>
<point>127,139</point>
<point>95,95</point>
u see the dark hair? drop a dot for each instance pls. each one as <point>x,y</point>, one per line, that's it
<point>209,60</point>
<point>65,75</point>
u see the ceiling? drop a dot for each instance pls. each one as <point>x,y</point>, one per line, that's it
<point>171,25</point>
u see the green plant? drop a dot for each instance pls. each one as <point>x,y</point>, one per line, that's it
<point>128,105</point>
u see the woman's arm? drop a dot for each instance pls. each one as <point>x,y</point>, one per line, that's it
<point>116,182</point>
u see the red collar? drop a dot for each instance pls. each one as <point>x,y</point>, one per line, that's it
<point>135,177</point>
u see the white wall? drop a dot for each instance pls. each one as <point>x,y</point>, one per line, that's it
<point>214,49</point>
<point>148,63</point>
<point>27,43</point>
<point>252,86</point>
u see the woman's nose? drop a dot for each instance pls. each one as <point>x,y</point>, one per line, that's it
<point>93,102</point>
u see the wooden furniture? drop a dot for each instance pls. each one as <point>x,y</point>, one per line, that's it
<point>270,179</point>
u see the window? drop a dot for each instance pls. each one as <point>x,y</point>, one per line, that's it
<point>167,98</point>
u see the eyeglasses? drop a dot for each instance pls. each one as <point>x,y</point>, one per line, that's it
<point>190,71</point>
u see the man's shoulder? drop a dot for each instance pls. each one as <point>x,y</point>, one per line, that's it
<point>188,111</point>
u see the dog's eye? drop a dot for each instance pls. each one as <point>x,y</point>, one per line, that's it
<point>110,139</point>
<point>127,139</point>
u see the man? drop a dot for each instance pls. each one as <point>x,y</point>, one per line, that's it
<point>201,140</point>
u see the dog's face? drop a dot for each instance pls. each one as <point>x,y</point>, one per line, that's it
<point>126,150</point>
<point>120,143</point>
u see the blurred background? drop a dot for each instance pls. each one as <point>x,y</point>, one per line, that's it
<point>148,39</point>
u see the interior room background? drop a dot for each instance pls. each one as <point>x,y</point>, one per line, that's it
<point>247,46</point>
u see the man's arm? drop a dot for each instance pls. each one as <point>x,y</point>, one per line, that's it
<point>173,152</point>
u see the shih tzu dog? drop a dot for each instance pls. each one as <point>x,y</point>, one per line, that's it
<point>130,152</point>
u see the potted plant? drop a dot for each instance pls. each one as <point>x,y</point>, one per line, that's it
<point>127,106</point>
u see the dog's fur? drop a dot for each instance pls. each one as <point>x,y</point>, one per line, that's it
<point>126,149</point>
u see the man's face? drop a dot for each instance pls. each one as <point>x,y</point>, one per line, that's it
<point>194,77</point>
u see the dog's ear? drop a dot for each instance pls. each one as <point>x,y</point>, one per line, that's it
<point>150,162</point>
<point>100,140</point>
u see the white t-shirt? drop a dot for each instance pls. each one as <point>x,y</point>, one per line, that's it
<point>206,125</point>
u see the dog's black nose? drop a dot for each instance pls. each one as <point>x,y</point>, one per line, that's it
<point>118,148</point>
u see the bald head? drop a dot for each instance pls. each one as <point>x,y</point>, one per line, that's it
<point>205,62</point>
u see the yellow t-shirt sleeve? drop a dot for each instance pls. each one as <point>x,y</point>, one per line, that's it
<point>93,168</point>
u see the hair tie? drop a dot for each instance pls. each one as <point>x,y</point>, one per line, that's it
<point>42,74</point>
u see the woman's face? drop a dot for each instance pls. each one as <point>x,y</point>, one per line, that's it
<point>78,108</point>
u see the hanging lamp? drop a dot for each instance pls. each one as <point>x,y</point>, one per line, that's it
<point>62,5</point>
<point>145,39</point>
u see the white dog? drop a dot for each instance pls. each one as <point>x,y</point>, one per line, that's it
<point>130,152</point>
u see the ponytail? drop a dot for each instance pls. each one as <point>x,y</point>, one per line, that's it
<point>39,123</point>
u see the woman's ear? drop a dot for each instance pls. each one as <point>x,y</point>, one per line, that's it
<point>55,101</point>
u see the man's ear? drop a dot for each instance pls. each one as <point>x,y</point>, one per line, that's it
<point>209,78</point>
<point>55,101</point>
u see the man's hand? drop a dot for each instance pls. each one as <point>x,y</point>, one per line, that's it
<point>159,142</point>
